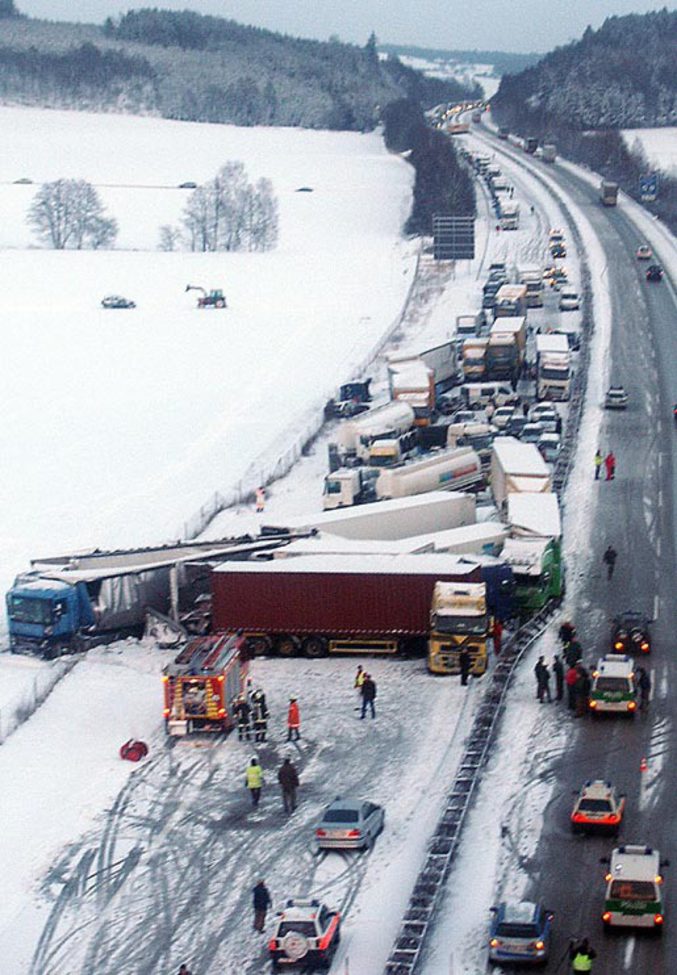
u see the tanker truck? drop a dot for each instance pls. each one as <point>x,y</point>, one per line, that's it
<point>353,436</point>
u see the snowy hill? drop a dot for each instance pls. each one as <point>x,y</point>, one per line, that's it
<point>119,425</point>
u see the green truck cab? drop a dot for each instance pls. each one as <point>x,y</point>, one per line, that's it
<point>538,570</point>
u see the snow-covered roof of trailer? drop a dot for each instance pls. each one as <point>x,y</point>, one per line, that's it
<point>358,564</point>
<point>535,514</point>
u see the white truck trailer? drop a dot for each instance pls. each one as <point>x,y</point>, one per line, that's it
<point>553,367</point>
<point>510,215</point>
<point>517,468</point>
<point>441,359</point>
<point>398,518</point>
<point>531,275</point>
<point>447,470</point>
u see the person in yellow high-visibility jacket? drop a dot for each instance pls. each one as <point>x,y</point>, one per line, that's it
<point>254,780</point>
<point>581,956</point>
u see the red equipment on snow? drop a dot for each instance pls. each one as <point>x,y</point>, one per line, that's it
<point>134,750</point>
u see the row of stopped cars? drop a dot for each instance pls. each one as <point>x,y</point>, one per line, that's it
<point>633,898</point>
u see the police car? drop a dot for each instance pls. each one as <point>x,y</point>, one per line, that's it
<point>613,686</point>
<point>520,932</point>
<point>634,888</point>
<point>307,934</point>
<point>597,808</point>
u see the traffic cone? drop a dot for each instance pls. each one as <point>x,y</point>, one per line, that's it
<point>643,765</point>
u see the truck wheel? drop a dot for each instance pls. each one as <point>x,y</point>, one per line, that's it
<point>258,646</point>
<point>315,646</point>
<point>288,646</point>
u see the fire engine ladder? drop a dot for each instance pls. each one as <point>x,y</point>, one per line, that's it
<point>446,838</point>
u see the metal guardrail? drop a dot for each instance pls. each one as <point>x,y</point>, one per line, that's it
<point>445,841</point>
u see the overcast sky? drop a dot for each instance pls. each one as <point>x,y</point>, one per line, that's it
<point>503,25</point>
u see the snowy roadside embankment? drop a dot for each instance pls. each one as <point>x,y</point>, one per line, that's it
<point>134,418</point>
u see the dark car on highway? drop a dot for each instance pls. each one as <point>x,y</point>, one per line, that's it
<point>654,272</point>
<point>631,633</point>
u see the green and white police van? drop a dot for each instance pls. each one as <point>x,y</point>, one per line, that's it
<point>634,888</point>
<point>613,686</point>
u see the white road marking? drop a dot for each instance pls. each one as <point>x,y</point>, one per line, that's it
<point>629,952</point>
<point>656,604</point>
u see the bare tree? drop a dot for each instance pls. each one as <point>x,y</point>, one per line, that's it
<point>69,213</point>
<point>229,213</point>
<point>170,237</point>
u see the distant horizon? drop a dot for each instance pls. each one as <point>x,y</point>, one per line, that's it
<point>433,24</point>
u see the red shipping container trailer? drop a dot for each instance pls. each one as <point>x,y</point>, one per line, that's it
<point>320,604</point>
<point>203,682</point>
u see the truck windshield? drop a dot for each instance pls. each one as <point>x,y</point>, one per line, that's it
<point>460,624</point>
<point>382,460</point>
<point>23,609</point>
<point>561,373</point>
<point>332,487</point>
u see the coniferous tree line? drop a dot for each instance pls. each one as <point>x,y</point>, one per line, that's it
<point>443,185</point>
<point>622,76</point>
<point>184,65</point>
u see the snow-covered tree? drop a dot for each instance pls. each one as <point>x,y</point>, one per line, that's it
<point>170,237</point>
<point>69,214</point>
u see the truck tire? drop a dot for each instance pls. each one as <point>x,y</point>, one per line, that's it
<point>258,646</point>
<point>288,646</point>
<point>315,646</point>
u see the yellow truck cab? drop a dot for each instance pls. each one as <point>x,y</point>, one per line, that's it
<point>634,888</point>
<point>458,620</point>
<point>613,686</point>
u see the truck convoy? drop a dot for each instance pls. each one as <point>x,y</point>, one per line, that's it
<point>203,682</point>
<point>553,367</point>
<point>317,604</point>
<point>608,193</point>
<point>458,621</point>
<point>72,602</point>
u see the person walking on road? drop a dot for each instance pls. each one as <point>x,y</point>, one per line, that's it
<point>242,713</point>
<point>609,559</point>
<point>260,500</point>
<point>368,695</point>
<point>262,901</point>
<point>567,632</point>
<point>542,680</point>
<point>184,970</point>
<point>610,464</point>
<point>497,634</point>
<point>571,680</point>
<point>293,720</point>
<point>644,684</point>
<point>359,681</point>
<point>254,781</point>
<point>573,653</point>
<point>288,778</point>
<point>581,956</point>
<point>464,663</point>
<point>259,715</point>
<point>583,686</point>
<point>598,463</point>
<point>558,671</point>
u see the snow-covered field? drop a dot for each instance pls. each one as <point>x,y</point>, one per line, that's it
<point>659,145</point>
<point>119,425</point>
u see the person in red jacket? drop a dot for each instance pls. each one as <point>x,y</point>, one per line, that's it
<point>293,720</point>
<point>497,634</point>
<point>610,464</point>
<point>571,679</point>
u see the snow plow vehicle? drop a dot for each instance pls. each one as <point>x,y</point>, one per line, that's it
<point>208,299</point>
<point>203,682</point>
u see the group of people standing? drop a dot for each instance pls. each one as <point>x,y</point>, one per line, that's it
<point>287,776</point>
<point>609,463</point>
<point>366,689</point>
<point>251,714</point>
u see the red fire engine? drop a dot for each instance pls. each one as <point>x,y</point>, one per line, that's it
<point>203,682</point>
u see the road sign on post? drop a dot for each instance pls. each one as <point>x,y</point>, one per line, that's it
<point>453,238</point>
<point>648,187</point>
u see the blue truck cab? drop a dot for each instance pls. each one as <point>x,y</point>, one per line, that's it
<point>46,615</point>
